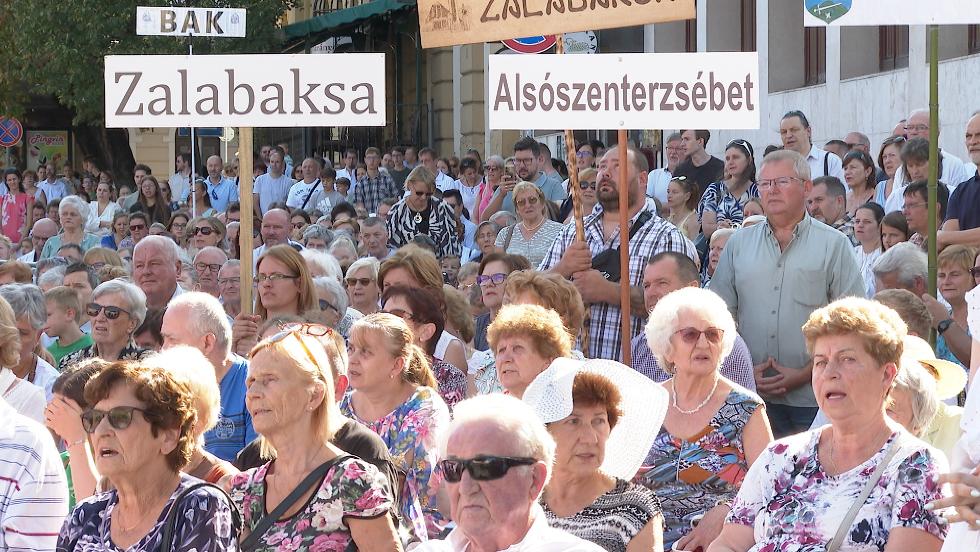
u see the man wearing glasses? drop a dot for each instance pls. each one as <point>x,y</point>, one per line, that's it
<point>498,457</point>
<point>41,232</point>
<point>208,263</point>
<point>658,179</point>
<point>773,275</point>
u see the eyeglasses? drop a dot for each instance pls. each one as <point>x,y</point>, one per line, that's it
<point>532,201</point>
<point>135,227</point>
<point>401,313</point>
<point>495,279</point>
<point>526,161</point>
<point>782,182</point>
<point>483,467</point>
<point>112,313</point>
<point>298,225</point>
<point>324,305</point>
<point>274,277</point>
<point>914,205</point>
<point>424,194</point>
<point>309,328</point>
<point>675,149</point>
<point>362,281</point>
<point>917,128</point>
<point>201,267</point>
<point>204,230</point>
<point>120,417</point>
<point>975,271</point>
<point>226,281</point>
<point>693,335</point>
<point>581,154</point>
<point>585,185</point>
<point>491,168</point>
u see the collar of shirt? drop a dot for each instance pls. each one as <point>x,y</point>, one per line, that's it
<point>459,541</point>
<point>815,152</point>
<point>800,230</point>
<point>595,218</point>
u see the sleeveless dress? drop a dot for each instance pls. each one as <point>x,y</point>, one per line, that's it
<point>691,476</point>
<point>613,519</point>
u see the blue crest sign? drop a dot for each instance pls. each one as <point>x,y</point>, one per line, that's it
<point>827,11</point>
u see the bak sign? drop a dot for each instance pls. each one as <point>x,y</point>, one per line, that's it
<point>630,91</point>
<point>166,21</point>
<point>244,91</point>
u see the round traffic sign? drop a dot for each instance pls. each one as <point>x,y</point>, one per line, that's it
<point>531,44</point>
<point>11,132</point>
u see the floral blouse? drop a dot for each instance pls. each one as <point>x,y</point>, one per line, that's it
<point>452,382</point>
<point>412,433</point>
<point>793,505</point>
<point>351,488</point>
<point>204,524</point>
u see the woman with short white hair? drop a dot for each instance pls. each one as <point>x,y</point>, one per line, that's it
<point>344,250</point>
<point>73,214</point>
<point>117,309</point>
<point>714,429</point>
<point>362,284</point>
<point>912,400</point>
<point>331,304</point>
<point>719,238</point>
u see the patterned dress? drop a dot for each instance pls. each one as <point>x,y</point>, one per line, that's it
<point>452,382</point>
<point>412,432</point>
<point>718,200</point>
<point>613,519</point>
<point>351,488</point>
<point>793,505</point>
<point>205,524</point>
<point>691,476</point>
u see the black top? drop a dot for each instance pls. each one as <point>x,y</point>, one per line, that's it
<point>712,171</point>
<point>964,204</point>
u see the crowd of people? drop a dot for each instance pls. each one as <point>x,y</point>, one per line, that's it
<point>434,359</point>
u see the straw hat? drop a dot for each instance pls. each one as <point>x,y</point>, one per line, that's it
<point>950,377</point>
<point>644,405</point>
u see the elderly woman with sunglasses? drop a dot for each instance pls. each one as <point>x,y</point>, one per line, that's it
<point>420,213</point>
<point>534,232</point>
<point>206,231</point>
<point>714,429</point>
<point>117,309</point>
<point>312,494</point>
<point>140,427</point>
<point>394,394</point>
<point>362,285</point>
<point>588,183</point>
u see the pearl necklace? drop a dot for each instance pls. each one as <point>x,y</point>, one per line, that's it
<point>532,230</point>
<point>711,393</point>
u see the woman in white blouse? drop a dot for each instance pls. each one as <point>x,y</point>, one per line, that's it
<point>867,231</point>
<point>25,397</point>
<point>534,232</point>
<point>102,210</point>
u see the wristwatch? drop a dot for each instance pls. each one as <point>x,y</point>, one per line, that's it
<point>943,326</point>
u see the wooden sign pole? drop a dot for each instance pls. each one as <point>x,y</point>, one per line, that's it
<point>246,224</point>
<point>624,248</point>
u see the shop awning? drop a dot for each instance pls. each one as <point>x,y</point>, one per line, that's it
<point>338,20</point>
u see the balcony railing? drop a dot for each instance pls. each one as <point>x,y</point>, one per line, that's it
<point>320,7</point>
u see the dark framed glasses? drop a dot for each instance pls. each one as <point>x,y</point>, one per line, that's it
<point>495,279</point>
<point>112,313</point>
<point>202,267</point>
<point>120,417</point>
<point>692,335</point>
<point>483,467</point>
<point>135,227</point>
<point>324,305</point>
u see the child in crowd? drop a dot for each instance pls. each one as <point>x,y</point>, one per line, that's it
<point>64,311</point>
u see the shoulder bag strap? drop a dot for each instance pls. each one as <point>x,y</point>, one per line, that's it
<point>309,195</point>
<point>266,522</point>
<point>826,163</point>
<point>510,235</point>
<point>845,524</point>
<point>170,522</point>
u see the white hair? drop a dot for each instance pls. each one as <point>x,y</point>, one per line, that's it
<point>906,260</point>
<point>166,245</point>
<point>800,165</point>
<point>207,316</point>
<point>920,386</point>
<point>342,241</point>
<point>132,294</point>
<point>52,277</point>
<point>77,203</point>
<point>513,417</point>
<point>191,367</point>
<point>322,264</point>
<point>28,299</point>
<point>663,320</point>
<point>721,233</point>
<point>370,263</point>
<point>335,289</point>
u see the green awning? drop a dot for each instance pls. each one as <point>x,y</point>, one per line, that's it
<point>342,18</point>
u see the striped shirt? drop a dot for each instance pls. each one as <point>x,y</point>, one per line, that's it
<point>442,227</point>
<point>654,236</point>
<point>534,249</point>
<point>33,493</point>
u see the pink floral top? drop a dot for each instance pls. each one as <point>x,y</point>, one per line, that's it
<point>793,505</point>
<point>352,488</point>
<point>14,208</point>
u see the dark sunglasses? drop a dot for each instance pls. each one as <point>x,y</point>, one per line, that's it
<point>401,313</point>
<point>424,194</point>
<point>120,417</point>
<point>482,468</point>
<point>692,335</point>
<point>324,305</point>
<point>135,227</point>
<point>497,279</point>
<point>975,272</point>
<point>112,313</point>
<point>585,185</point>
<point>205,230</point>
<point>362,281</point>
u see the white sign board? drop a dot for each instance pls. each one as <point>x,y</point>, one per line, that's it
<point>631,91</point>
<point>821,13</point>
<point>167,21</point>
<point>261,90</point>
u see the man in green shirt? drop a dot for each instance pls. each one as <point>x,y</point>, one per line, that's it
<point>64,312</point>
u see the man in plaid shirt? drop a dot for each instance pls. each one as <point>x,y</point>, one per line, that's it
<point>375,185</point>
<point>573,260</point>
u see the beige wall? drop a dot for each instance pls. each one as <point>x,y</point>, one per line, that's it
<point>440,66</point>
<point>472,98</point>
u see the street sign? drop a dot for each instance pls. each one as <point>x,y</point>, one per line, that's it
<point>261,90</point>
<point>213,22</point>
<point>531,44</point>
<point>823,13</point>
<point>11,132</point>
<point>452,22</point>
<point>581,43</point>
<point>601,91</point>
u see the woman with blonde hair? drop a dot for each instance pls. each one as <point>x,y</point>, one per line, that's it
<point>98,257</point>
<point>533,234</point>
<point>551,291</point>
<point>525,339</point>
<point>24,397</point>
<point>394,394</point>
<point>953,280</point>
<point>419,213</point>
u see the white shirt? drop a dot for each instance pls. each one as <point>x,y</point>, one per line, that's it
<point>52,190</point>
<point>539,538</point>
<point>44,376</point>
<point>299,192</point>
<point>271,190</point>
<point>657,182</point>
<point>22,395</point>
<point>95,219</point>
<point>834,165</point>
<point>349,175</point>
<point>180,187</point>
<point>29,257</point>
<point>471,194</point>
<point>443,181</point>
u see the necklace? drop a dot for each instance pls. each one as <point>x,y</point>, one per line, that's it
<point>698,407</point>
<point>418,218</point>
<point>531,230</point>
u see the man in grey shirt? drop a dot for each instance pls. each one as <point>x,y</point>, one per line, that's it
<point>526,153</point>
<point>773,276</point>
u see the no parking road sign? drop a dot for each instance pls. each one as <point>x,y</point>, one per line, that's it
<point>531,44</point>
<point>11,132</point>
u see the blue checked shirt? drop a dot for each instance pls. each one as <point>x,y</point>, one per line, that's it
<point>370,191</point>
<point>656,235</point>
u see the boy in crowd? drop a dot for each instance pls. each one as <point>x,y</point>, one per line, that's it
<point>64,312</point>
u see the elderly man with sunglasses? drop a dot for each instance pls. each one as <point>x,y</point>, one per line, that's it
<point>498,459</point>
<point>117,309</point>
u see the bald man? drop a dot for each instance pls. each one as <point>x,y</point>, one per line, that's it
<point>222,190</point>
<point>307,193</point>
<point>275,231</point>
<point>41,232</point>
<point>208,263</point>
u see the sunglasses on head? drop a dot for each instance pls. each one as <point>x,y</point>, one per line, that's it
<point>205,230</point>
<point>120,417</point>
<point>112,313</point>
<point>483,467</point>
<point>283,335</point>
<point>693,335</point>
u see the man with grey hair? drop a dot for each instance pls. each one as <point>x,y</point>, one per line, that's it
<point>156,264</point>
<point>858,141</point>
<point>658,179</point>
<point>27,302</point>
<point>208,263</point>
<point>773,275</point>
<point>230,286</point>
<point>903,266</point>
<point>198,320</point>
<point>497,460</point>
<point>43,230</point>
<point>374,238</point>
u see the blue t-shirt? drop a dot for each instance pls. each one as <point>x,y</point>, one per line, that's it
<point>234,428</point>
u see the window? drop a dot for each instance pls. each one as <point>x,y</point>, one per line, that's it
<point>747,14</point>
<point>893,47</point>
<point>815,55</point>
<point>973,39</point>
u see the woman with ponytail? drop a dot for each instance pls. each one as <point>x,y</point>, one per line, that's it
<point>394,393</point>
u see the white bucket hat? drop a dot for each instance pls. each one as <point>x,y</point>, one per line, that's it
<point>644,405</point>
<point>950,377</point>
